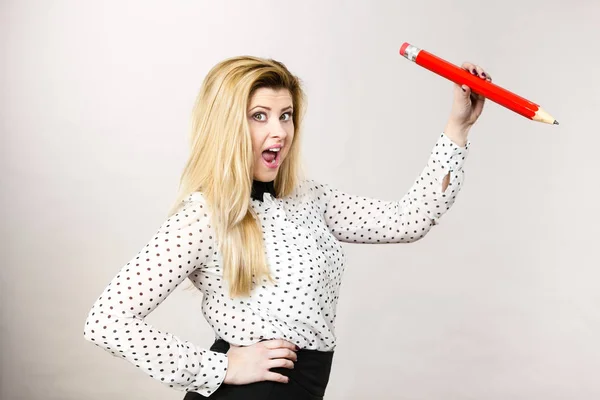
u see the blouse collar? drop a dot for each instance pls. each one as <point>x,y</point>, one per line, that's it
<point>260,188</point>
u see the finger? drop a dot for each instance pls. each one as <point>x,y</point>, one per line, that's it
<point>281,363</point>
<point>480,72</point>
<point>476,101</point>
<point>484,75</point>
<point>466,90</point>
<point>468,66</point>
<point>472,68</point>
<point>477,104</point>
<point>275,377</point>
<point>283,353</point>
<point>279,343</point>
<point>476,70</point>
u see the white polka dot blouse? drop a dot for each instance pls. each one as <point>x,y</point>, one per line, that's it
<point>302,234</point>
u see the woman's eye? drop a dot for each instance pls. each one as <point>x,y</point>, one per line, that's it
<point>288,114</point>
<point>260,116</point>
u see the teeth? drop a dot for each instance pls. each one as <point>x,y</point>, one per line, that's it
<point>275,149</point>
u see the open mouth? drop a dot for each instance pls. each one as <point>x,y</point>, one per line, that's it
<point>271,157</point>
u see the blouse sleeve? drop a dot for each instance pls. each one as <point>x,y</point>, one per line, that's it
<point>357,219</point>
<point>116,323</point>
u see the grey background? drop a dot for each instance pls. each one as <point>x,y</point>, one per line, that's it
<point>500,301</point>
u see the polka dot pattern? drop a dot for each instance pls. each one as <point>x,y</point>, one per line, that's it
<point>303,235</point>
<point>116,321</point>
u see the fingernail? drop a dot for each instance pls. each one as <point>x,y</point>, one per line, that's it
<point>297,348</point>
<point>463,89</point>
<point>483,74</point>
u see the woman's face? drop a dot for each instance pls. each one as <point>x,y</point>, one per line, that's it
<point>271,126</point>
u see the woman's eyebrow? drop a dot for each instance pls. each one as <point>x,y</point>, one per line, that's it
<point>268,108</point>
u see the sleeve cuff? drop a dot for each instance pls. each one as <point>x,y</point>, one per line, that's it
<point>212,373</point>
<point>448,156</point>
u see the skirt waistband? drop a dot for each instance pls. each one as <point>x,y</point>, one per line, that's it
<point>311,370</point>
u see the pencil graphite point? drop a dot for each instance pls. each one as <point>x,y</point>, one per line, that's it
<point>542,116</point>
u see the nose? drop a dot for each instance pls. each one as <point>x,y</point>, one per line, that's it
<point>278,130</point>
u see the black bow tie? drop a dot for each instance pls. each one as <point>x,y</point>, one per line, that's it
<point>260,188</point>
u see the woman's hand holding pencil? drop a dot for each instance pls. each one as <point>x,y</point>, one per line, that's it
<point>466,107</point>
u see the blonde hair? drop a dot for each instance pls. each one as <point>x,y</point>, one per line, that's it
<point>221,161</point>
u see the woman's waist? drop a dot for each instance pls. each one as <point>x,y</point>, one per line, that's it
<point>311,369</point>
<point>221,345</point>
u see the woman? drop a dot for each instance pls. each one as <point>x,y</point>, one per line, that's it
<point>262,243</point>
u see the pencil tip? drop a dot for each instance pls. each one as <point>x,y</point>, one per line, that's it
<point>555,122</point>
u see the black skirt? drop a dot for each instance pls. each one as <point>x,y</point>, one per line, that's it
<point>307,380</point>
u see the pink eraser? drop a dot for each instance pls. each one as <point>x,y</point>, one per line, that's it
<point>403,48</point>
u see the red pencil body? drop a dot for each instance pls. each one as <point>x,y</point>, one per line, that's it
<point>480,86</point>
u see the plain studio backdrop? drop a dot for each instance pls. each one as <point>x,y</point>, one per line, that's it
<point>499,301</point>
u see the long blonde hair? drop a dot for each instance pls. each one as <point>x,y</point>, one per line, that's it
<point>221,161</point>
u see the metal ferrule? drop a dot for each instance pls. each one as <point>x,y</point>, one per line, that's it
<point>411,52</point>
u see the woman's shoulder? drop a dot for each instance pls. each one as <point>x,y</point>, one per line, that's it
<point>195,197</point>
<point>310,184</point>
<point>313,189</point>
<point>191,209</point>
<point>313,185</point>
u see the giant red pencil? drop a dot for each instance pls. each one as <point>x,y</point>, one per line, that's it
<point>487,89</point>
